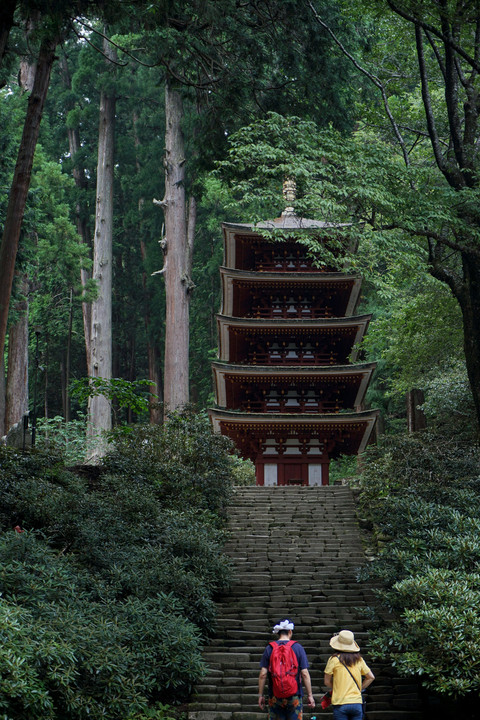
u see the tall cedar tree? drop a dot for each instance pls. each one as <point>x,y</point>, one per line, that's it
<point>51,27</point>
<point>246,54</point>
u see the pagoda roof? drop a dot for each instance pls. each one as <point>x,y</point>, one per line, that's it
<point>238,369</point>
<point>303,277</point>
<point>292,225</point>
<point>288,221</point>
<point>350,431</point>
<point>297,323</point>
<point>297,326</point>
<point>360,372</point>
<point>331,280</point>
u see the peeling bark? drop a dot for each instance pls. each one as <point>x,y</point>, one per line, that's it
<point>177,275</point>
<point>99,409</point>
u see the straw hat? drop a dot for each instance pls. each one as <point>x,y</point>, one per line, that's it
<point>344,641</point>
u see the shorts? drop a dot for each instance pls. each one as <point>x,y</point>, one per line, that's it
<point>290,708</point>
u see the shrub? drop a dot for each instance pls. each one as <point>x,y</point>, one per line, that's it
<point>422,494</point>
<point>345,466</point>
<point>243,472</point>
<point>110,575</point>
<point>183,459</point>
<point>67,437</point>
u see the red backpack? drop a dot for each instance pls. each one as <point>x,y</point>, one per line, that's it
<point>283,668</point>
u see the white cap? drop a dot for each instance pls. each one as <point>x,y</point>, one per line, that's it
<point>283,625</point>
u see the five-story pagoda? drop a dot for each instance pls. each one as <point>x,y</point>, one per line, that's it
<point>289,391</point>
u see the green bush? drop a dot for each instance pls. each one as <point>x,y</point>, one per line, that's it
<point>183,460</point>
<point>67,437</point>
<point>243,472</point>
<point>422,495</point>
<point>345,466</point>
<point>68,653</point>
<point>111,583</point>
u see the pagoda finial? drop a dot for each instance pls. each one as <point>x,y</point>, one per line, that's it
<point>289,195</point>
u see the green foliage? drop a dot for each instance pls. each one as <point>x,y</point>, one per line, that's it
<point>417,330</point>
<point>422,494</point>
<point>68,437</point>
<point>183,458</point>
<point>107,582</point>
<point>121,393</point>
<point>448,398</point>
<point>416,338</point>
<point>243,472</point>
<point>70,654</point>
<point>346,466</point>
<point>52,256</point>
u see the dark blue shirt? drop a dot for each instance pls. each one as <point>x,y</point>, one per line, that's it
<point>302,664</point>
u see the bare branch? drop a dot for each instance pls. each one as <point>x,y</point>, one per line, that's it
<point>160,272</point>
<point>442,239</point>
<point>188,83</point>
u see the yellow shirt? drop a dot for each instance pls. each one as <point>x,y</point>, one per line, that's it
<point>345,691</point>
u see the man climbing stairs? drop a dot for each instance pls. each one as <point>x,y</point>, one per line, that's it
<point>296,551</point>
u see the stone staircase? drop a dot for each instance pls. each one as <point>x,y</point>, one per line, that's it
<point>296,551</point>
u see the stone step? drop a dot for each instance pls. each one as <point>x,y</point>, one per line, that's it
<point>306,570</point>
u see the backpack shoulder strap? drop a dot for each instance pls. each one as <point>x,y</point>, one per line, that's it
<point>274,643</point>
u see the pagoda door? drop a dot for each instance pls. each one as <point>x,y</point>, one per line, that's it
<point>315,474</point>
<point>293,474</point>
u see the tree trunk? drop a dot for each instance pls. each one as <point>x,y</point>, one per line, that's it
<point>21,181</point>
<point>2,397</point>
<point>81,214</point>
<point>154,375</point>
<point>469,301</point>
<point>16,396</point>
<point>415,418</point>
<point>177,259</point>
<point>68,349</point>
<point>46,412</point>
<point>100,415</point>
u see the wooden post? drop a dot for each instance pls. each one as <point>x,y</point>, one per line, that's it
<point>416,419</point>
